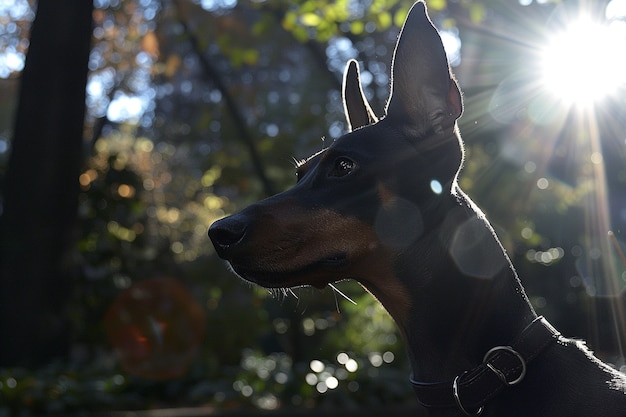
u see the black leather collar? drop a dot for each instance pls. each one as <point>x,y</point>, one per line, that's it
<point>502,367</point>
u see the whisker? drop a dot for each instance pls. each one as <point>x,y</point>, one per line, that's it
<point>336,300</point>
<point>342,294</point>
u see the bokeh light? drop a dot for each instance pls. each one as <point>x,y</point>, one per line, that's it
<point>156,328</point>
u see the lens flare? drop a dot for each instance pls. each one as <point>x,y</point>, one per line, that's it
<point>156,328</point>
<point>585,62</point>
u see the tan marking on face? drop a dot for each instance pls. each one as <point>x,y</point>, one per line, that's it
<point>287,240</point>
<point>387,197</point>
<point>379,279</point>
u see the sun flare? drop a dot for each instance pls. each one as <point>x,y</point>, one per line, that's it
<point>586,62</point>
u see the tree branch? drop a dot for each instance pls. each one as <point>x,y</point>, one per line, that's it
<point>238,119</point>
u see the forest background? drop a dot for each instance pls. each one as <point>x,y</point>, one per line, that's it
<point>128,126</point>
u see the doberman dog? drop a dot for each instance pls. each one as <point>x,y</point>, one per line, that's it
<point>382,205</point>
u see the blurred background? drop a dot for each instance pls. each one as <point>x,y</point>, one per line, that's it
<point>128,126</point>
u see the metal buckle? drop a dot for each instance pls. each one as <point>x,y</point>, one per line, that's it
<point>455,391</point>
<point>499,373</point>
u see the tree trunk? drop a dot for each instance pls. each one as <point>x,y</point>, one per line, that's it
<point>39,202</point>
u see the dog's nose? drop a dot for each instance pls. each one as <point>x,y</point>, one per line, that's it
<point>226,234</point>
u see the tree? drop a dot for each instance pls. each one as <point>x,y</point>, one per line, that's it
<point>40,189</point>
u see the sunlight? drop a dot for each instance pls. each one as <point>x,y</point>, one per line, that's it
<point>124,108</point>
<point>585,62</point>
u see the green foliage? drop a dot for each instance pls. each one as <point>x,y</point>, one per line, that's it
<point>99,386</point>
<point>321,20</point>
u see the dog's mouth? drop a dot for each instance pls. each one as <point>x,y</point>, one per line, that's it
<point>317,274</point>
<point>335,261</point>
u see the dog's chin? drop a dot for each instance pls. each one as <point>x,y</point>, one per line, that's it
<point>316,274</point>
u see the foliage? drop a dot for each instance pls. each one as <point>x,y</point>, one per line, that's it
<point>196,108</point>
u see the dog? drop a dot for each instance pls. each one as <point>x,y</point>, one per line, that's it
<point>382,205</point>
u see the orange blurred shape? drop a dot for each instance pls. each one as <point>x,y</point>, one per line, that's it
<point>156,328</point>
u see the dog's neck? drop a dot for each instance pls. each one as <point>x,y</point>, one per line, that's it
<point>454,318</point>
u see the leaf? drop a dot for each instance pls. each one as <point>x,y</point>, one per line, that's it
<point>172,64</point>
<point>384,20</point>
<point>400,16</point>
<point>250,56</point>
<point>437,5</point>
<point>357,27</point>
<point>300,33</point>
<point>150,44</point>
<point>477,12</point>
<point>449,23</point>
<point>289,21</point>
<point>310,19</point>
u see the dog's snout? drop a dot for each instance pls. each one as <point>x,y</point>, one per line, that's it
<point>226,234</point>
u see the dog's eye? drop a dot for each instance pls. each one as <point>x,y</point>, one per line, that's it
<point>343,166</point>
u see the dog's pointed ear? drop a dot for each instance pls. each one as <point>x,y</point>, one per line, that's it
<point>424,95</point>
<point>355,105</point>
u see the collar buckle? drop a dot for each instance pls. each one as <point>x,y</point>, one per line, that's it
<point>502,367</point>
<point>459,404</point>
<point>501,374</point>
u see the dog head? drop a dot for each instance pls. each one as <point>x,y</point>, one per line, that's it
<point>373,192</point>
